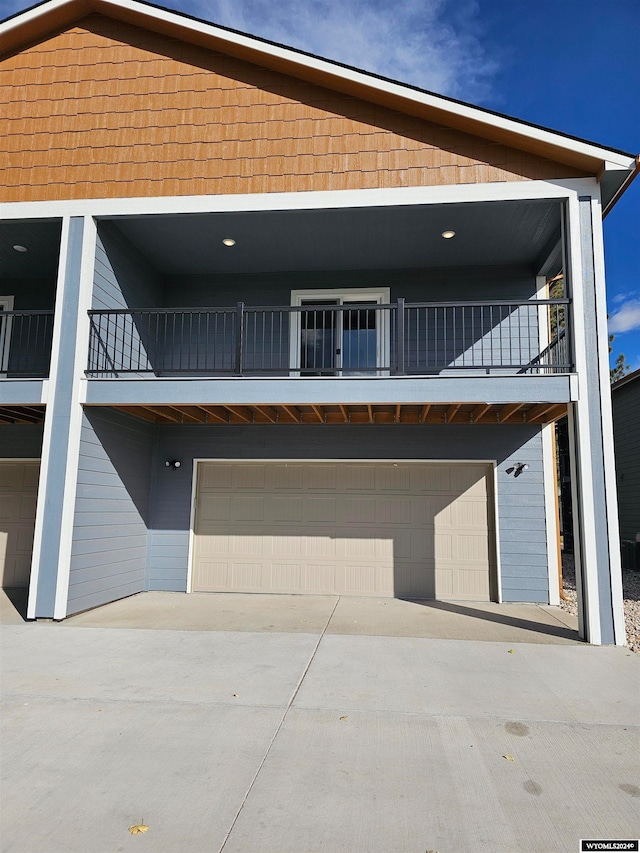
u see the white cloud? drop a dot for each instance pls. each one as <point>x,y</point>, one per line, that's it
<point>626,318</point>
<point>433,44</point>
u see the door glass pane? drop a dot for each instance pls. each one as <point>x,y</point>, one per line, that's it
<point>318,338</point>
<point>359,339</point>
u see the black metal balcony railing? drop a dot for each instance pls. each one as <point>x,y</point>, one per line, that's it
<point>25,343</point>
<point>360,338</point>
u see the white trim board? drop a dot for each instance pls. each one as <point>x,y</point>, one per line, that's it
<point>308,200</point>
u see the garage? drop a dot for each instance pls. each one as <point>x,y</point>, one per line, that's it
<point>404,530</point>
<point>18,497</point>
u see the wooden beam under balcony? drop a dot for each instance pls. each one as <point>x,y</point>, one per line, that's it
<point>22,414</point>
<point>350,413</point>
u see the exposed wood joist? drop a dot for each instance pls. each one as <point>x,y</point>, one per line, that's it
<point>218,413</point>
<point>268,412</point>
<point>22,414</point>
<point>539,411</point>
<point>293,413</point>
<point>480,411</point>
<point>240,413</point>
<point>508,411</point>
<point>332,413</point>
<point>319,412</point>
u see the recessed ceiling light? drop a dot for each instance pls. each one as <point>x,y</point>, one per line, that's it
<point>448,234</point>
<point>229,241</point>
<point>20,248</point>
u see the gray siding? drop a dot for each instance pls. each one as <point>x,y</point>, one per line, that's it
<point>109,552</point>
<point>122,279</point>
<point>21,441</point>
<point>520,501</point>
<point>415,285</point>
<point>626,433</point>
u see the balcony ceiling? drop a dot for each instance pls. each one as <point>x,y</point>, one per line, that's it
<point>487,234</point>
<point>40,237</point>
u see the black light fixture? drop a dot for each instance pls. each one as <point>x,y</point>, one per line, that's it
<point>518,468</point>
<point>173,463</point>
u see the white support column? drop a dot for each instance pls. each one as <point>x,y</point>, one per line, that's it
<point>595,508</point>
<point>606,414</point>
<point>63,422</point>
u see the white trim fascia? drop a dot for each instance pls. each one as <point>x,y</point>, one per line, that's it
<point>490,463</point>
<point>352,75</point>
<point>551,517</point>
<point>192,524</point>
<point>583,489</point>
<point>75,421</point>
<point>496,529</point>
<point>606,414</point>
<point>548,459</point>
<point>47,449</point>
<point>308,200</point>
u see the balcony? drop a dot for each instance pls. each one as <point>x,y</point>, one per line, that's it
<point>25,344</point>
<point>358,338</point>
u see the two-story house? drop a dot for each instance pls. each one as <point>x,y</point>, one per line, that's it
<point>273,324</point>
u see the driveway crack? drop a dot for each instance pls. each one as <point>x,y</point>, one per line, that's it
<point>279,726</point>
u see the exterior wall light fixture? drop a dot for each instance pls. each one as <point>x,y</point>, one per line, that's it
<point>173,463</point>
<point>518,468</point>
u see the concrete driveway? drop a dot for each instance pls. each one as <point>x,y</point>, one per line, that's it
<point>286,724</point>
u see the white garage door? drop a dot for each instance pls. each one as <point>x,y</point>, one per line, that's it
<point>412,530</point>
<point>18,496</point>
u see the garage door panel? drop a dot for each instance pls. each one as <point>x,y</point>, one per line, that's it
<point>433,479</point>
<point>320,478</point>
<point>353,538</point>
<point>358,510</point>
<point>395,478</point>
<point>248,477</point>
<point>8,508</point>
<point>470,548</point>
<point>320,510</point>
<point>244,509</point>
<point>357,478</point>
<point>393,510</point>
<point>215,476</point>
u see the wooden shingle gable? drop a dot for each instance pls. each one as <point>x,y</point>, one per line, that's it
<point>105,109</point>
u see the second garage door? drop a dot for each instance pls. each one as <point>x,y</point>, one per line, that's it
<point>18,496</point>
<point>412,530</point>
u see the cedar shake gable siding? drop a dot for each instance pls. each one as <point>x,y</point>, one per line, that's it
<point>106,110</point>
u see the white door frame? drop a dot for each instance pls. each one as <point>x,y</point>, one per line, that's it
<point>6,324</point>
<point>378,295</point>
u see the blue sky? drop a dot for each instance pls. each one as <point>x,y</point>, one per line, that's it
<point>571,65</point>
